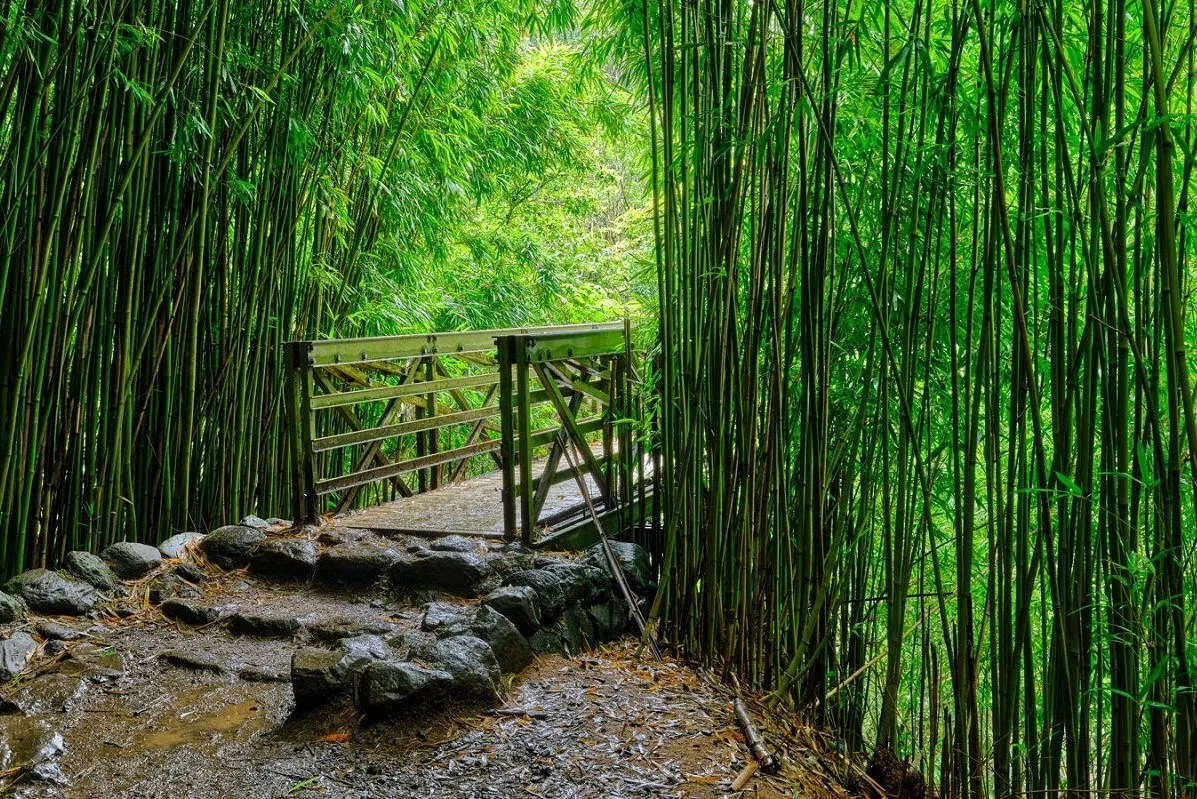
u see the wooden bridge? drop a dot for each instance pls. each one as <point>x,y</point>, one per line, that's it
<point>527,433</point>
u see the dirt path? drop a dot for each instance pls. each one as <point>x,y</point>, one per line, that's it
<point>140,706</point>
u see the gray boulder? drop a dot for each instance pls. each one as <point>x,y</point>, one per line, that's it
<point>316,675</point>
<point>361,650</point>
<point>608,619</point>
<point>229,547</point>
<point>168,586</point>
<point>547,586</point>
<point>15,654</point>
<point>471,665</point>
<point>456,543</point>
<point>441,615</point>
<point>189,572</point>
<point>632,559</point>
<point>577,630</point>
<point>92,570</point>
<point>50,593</point>
<point>257,522</point>
<point>354,563</point>
<point>53,631</point>
<point>284,557</point>
<point>189,612</point>
<point>510,648</point>
<point>456,573</point>
<point>177,545</point>
<point>264,625</point>
<point>385,687</point>
<point>11,608</point>
<point>548,640</point>
<point>581,582</point>
<point>519,603</point>
<point>130,560</point>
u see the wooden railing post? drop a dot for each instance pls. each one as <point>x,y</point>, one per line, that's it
<point>301,431</point>
<point>523,437</point>
<point>507,426</point>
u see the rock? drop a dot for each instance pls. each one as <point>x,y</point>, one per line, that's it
<point>548,640</point>
<point>284,557</point>
<point>92,570</point>
<point>131,560</point>
<point>457,543</point>
<point>96,663</point>
<point>385,687</point>
<point>11,608</point>
<point>49,692</point>
<point>341,535</point>
<point>354,563</point>
<point>438,615</point>
<point>316,675</point>
<point>15,654</point>
<point>179,544</point>
<point>609,619</point>
<point>259,674</point>
<point>519,603</point>
<point>188,659</point>
<point>510,648</point>
<point>189,612</point>
<point>50,593</point>
<point>25,742</point>
<point>189,572</point>
<point>471,665</point>
<point>53,631</point>
<point>360,650</point>
<point>229,546</point>
<point>632,559</point>
<point>577,631</point>
<point>581,582</point>
<point>330,631</point>
<point>547,586</point>
<point>264,625</point>
<point>453,572</point>
<point>256,522</point>
<point>169,586</point>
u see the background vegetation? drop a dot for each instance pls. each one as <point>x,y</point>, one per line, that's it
<point>926,412</point>
<point>184,185</point>
<point>922,287</point>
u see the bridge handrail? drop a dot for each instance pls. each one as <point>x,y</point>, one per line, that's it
<point>565,369</point>
<point>350,351</point>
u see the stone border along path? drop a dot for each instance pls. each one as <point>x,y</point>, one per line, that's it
<point>523,603</point>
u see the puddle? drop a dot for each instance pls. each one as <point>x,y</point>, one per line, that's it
<point>193,727</point>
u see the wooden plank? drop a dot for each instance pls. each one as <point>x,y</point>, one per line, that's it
<point>361,350</point>
<point>575,432</point>
<point>374,451</point>
<point>559,346</point>
<point>411,465</point>
<point>403,428</point>
<point>404,390</point>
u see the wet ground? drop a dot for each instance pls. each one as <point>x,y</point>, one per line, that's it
<point>145,707</point>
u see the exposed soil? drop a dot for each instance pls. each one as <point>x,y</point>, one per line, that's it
<point>108,715</point>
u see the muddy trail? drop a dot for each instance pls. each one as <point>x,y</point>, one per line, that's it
<point>186,684</point>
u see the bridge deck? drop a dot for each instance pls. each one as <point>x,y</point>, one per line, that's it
<point>471,507</point>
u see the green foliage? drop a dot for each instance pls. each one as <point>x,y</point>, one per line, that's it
<point>187,186</point>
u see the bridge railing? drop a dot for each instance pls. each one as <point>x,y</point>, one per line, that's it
<point>583,379</point>
<point>373,419</point>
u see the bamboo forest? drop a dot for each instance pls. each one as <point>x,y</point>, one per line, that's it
<point>863,323</point>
